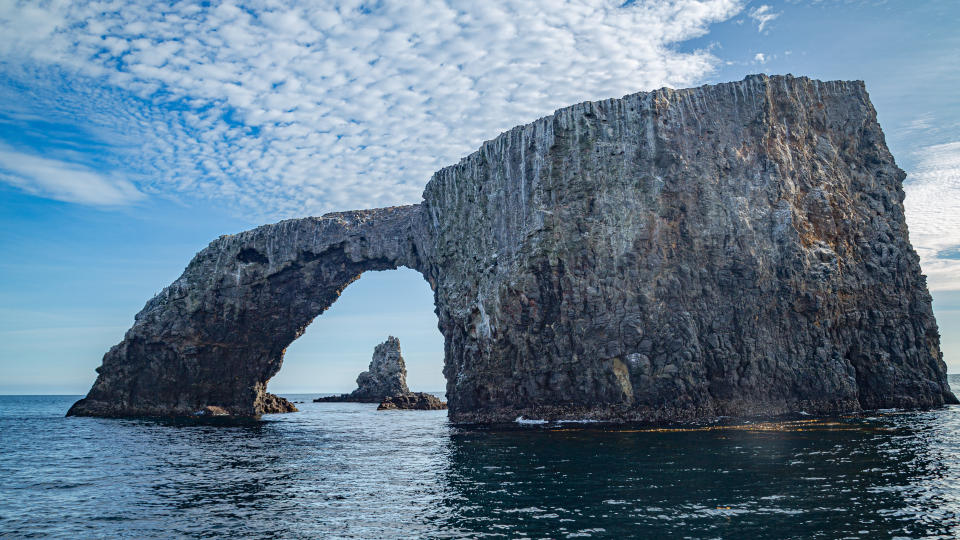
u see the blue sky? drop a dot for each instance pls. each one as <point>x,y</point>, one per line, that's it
<point>131,135</point>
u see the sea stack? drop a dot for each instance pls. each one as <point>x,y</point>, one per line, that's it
<point>386,376</point>
<point>734,249</point>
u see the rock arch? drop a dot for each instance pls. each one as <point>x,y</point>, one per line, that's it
<point>734,249</point>
<point>217,335</point>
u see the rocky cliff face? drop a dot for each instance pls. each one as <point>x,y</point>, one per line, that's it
<point>735,249</point>
<point>386,376</point>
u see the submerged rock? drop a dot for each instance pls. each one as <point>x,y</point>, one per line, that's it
<point>420,401</point>
<point>386,376</point>
<point>732,249</point>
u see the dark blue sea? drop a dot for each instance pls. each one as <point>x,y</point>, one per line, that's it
<point>347,471</point>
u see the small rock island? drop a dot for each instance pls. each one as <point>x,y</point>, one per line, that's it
<point>385,382</point>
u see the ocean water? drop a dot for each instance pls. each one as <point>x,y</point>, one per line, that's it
<point>342,470</point>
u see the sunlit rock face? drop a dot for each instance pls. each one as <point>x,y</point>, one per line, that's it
<point>737,249</point>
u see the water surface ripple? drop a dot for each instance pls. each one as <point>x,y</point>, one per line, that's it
<point>346,470</point>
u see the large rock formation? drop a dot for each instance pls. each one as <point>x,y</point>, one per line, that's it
<point>217,334</point>
<point>386,376</point>
<point>735,249</point>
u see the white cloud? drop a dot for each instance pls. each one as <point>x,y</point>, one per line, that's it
<point>763,15</point>
<point>932,206</point>
<point>760,58</point>
<point>922,123</point>
<point>292,108</point>
<point>63,181</point>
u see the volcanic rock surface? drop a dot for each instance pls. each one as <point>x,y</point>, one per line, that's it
<point>735,249</point>
<point>276,404</point>
<point>420,401</point>
<point>386,376</point>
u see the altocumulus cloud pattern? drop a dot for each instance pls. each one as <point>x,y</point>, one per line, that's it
<point>284,108</point>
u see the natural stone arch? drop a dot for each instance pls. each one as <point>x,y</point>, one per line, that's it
<point>215,336</point>
<point>735,249</point>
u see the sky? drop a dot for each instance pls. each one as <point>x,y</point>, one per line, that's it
<point>132,134</point>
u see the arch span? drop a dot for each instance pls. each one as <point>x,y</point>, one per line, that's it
<point>218,333</point>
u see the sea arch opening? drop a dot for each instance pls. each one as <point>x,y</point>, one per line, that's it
<point>210,342</point>
<point>338,344</point>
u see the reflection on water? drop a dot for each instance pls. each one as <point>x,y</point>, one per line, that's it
<point>347,470</point>
<point>867,478</point>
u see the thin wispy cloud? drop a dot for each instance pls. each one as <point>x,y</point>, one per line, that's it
<point>932,205</point>
<point>292,109</point>
<point>63,181</point>
<point>763,15</point>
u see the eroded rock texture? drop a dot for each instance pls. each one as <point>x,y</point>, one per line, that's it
<point>735,249</point>
<point>275,404</point>
<point>417,401</point>
<point>386,376</point>
<point>217,334</point>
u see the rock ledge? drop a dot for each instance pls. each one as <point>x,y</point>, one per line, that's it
<point>420,401</point>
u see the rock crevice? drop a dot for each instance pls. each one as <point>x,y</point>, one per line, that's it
<point>733,249</point>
